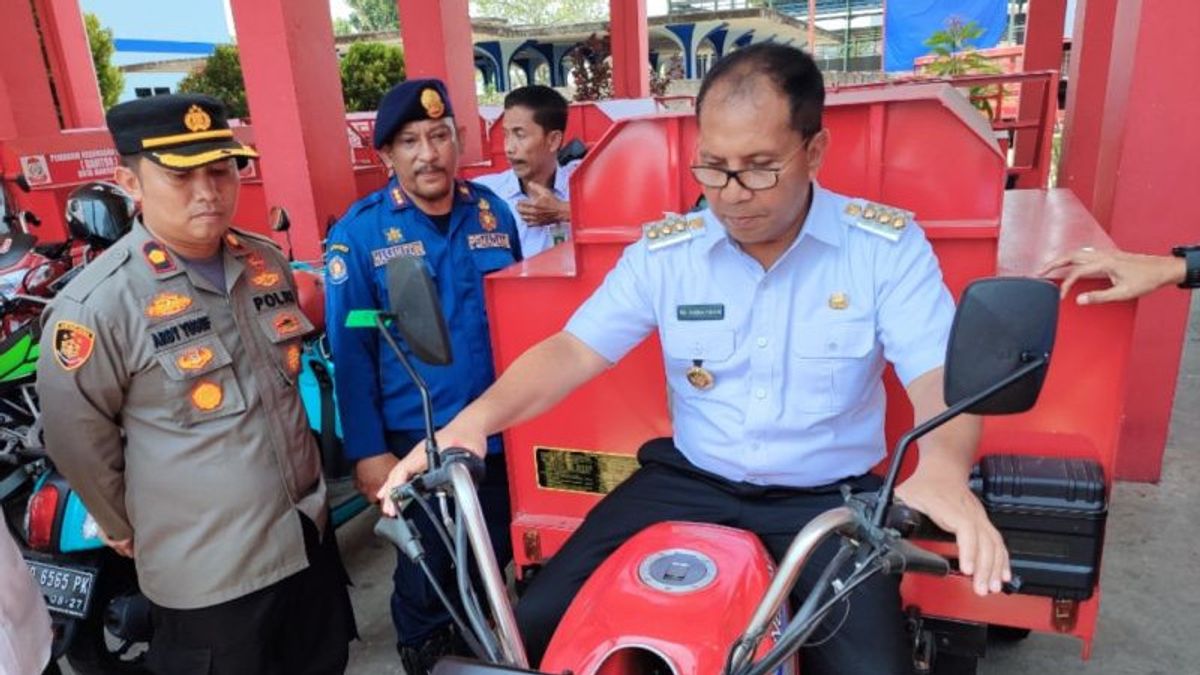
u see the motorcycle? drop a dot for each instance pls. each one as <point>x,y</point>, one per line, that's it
<point>687,598</point>
<point>97,613</point>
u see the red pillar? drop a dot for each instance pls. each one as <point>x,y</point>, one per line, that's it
<point>71,63</point>
<point>295,96</point>
<point>630,34</point>
<point>26,106</point>
<point>1043,51</point>
<point>437,43</point>
<point>1091,54</point>
<point>1146,177</point>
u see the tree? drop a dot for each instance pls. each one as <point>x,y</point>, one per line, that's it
<point>591,70</point>
<point>109,77</point>
<point>368,16</point>
<point>220,77</point>
<point>541,12</point>
<point>955,54</point>
<point>369,69</point>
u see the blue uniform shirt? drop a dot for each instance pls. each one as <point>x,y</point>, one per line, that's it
<point>534,239</point>
<point>795,353</point>
<point>374,393</point>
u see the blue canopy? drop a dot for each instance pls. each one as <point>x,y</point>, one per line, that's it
<point>909,23</point>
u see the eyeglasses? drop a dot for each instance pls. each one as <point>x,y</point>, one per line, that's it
<point>751,179</point>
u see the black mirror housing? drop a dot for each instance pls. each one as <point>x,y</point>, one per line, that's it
<point>278,219</point>
<point>1002,324</point>
<point>414,303</point>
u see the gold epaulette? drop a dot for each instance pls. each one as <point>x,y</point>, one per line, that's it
<point>672,229</point>
<point>878,219</point>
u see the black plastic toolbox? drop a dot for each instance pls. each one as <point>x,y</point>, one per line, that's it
<point>1051,512</point>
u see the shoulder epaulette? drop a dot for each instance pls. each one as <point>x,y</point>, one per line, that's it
<point>671,230</point>
<point>878,219</point>
<point>366,202</point>
<point>90,277</point>
<point>254,236</point>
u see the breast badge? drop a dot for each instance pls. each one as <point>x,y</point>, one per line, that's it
<point>287,324</point>
<point>262,275</point>
<point>194,359</point>
<point>487,220</point>
<point>167,304</point>
<point>207,396</point>
<point>292,358</point>
<point>73,344</point>
<point>700,377</point>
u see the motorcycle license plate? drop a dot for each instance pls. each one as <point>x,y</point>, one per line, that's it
<point>68,590</point>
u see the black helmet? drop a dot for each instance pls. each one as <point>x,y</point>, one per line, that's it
<point>99,213</point>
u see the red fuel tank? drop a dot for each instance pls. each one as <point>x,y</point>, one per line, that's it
<point>676,593</point>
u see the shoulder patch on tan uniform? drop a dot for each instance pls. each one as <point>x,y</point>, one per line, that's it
<point>672,229</point>
<point>880,220</point>
<point>95,273</point>
<point>256,237</point>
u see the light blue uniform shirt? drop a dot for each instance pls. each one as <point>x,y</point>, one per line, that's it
<point>534,239</point>
<point>797,351</point>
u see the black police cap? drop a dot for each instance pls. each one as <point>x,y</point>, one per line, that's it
<point>178,131</point>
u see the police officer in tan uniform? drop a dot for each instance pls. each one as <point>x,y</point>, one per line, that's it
<point>168,376</point>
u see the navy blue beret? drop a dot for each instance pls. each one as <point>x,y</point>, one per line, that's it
<point>410,101</point>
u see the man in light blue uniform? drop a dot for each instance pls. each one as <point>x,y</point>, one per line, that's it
<point>462,231</point>
<point>535,188</point>
<point>777,311</point>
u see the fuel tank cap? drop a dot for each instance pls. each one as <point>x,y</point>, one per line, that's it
<point>677,570</point>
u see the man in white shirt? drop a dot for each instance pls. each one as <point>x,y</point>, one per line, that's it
<point>536,187</point>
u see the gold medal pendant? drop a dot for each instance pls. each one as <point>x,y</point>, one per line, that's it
<point>699,377</point>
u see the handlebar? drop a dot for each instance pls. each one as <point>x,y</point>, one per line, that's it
<point>457,474</point>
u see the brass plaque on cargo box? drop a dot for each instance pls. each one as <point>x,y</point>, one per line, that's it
<point>582,470</point>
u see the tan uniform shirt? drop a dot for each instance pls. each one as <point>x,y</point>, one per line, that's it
<point>172,408</point>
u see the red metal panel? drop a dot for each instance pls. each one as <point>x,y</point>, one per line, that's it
<point>1043,51</point>
<point>1147,172</point>
<point>290,68</point>
<point>53,166</point>
<point>1079,413</point>
<point>437,43</point>
<point>630,34</point>
<point>26,106</point>
<point>1091,51</point>
<point>66,42</point>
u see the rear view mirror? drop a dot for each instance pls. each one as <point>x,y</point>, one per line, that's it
<point>1002,325</point>
<point>278,219</point>
<point>418,313</point>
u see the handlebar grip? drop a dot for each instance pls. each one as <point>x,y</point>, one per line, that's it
<point>398,531</point>
<point>911,523</point>
<point>476,466</point>
<point>908,557</point>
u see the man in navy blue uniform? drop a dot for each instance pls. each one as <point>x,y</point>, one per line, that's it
<point>462,231</point>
